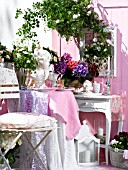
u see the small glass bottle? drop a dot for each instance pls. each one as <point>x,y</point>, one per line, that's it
<point>52,78</point>
<point>108,85</point>
<point>48,82</point>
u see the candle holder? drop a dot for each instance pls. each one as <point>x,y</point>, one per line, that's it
<point>98,125</point>
<point>108,74</point>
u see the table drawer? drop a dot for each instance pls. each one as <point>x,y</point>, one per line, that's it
<point>91,104</point>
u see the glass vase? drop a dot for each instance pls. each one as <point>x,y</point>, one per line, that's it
<point>21,76</point>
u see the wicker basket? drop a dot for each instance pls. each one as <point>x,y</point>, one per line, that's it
<point>117,159</point>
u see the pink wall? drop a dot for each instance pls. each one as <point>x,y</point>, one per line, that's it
<point>115,12</point>
<point>61,46</point>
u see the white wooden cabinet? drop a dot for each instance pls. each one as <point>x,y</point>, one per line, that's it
<point>98,103</point>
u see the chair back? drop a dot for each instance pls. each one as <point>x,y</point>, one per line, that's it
<point>9,87</point>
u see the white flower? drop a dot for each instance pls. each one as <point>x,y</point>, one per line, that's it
<point>116,149</point>
<point>28,61</point>
<point>76,16</point>
<point>87,55</point>
<point>94,44</point>
<point>25,52</point>
<point>57,21</point>
<point>18,55</point>
<point>89,12</point>
<point>98,48</point>
<point>105,49</point>
<point>94,39</point>
<point>95,57</point>
<point>114,142</point>
<point>81,43</point>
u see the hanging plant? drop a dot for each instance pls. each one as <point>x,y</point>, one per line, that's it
<point>71,18</point>
<point>67,17</point>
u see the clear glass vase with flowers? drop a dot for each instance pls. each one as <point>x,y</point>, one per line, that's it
<point>24,61</point>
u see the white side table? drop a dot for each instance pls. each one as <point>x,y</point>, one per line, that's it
<point>98,103</point>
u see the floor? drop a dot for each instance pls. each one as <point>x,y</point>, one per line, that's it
<point>101,167</point>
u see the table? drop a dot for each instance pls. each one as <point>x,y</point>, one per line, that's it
<point>59,147</point>
<point>109,105</point>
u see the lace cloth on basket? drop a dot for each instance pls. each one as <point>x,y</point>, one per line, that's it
<point>28,103</point>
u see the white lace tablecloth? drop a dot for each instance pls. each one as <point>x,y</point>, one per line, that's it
<point>118,107</point>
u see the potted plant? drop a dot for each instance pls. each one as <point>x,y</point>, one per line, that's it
<point>118,150</point>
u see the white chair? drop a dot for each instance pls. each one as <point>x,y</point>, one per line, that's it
<point>9,89</point>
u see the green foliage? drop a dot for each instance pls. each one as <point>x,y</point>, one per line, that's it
<point>120,141</point>
<point>100,46</point>
<point>6,54</point>
<point>11,154</point>
<point>67,17</point>
<point>21,55</point>
<point>24,57</point>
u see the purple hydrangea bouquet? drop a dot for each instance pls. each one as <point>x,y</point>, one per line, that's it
<point>72,72</point>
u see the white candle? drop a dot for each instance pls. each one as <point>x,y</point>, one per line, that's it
<point>87,156</point>
<point>100,132</point>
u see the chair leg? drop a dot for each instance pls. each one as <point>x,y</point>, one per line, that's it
<point>5,160</point>
<point>34,149</point>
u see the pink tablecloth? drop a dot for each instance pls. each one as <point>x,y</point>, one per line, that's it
<point>63,105</point>
<point>3,106</point>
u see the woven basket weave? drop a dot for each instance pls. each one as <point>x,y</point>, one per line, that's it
<point>117,159</point>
